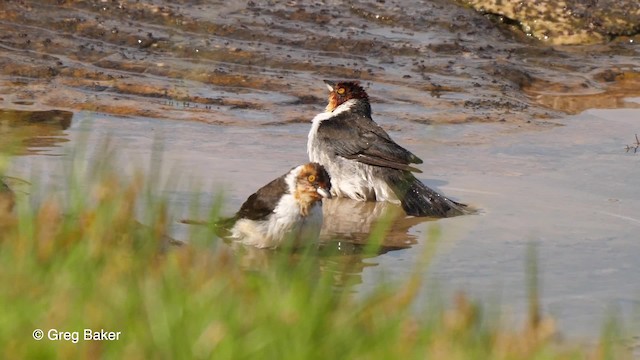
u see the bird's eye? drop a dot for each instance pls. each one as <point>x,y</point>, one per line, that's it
<point>340,91</point>
<point>311,178</point>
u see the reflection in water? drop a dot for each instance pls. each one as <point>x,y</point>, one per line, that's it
<point>24,132</point>
<point>576,98</point>
<point>348,225</point>
<point>351,221</point>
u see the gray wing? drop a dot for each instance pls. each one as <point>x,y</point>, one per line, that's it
<point>260,204</point>
<point>357,137</point>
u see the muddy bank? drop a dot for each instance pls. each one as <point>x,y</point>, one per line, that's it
<point>260,62</point>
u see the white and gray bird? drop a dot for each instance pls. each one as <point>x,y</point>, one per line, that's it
<point>364,162</point>
<point>287,208</point>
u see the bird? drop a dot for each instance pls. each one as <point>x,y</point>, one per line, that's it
<point>364,162</point>
<point>287,208</point>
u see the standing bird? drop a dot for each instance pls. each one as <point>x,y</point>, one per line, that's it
<point>287,208</point>
<point>363,161</point>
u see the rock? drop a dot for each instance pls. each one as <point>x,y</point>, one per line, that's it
<point>567,22</point>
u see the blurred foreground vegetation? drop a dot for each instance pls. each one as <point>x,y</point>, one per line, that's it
<point>84,261</point>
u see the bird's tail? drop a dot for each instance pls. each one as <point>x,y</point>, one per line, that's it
<point>417,199</point>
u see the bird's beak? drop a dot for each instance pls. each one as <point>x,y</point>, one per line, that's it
<point>324,193</point>
<point>330,84</point>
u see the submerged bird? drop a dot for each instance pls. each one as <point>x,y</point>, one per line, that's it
<point>364,162</point>
<point>288,208</point>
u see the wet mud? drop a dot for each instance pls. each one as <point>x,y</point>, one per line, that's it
<point>262,62</point>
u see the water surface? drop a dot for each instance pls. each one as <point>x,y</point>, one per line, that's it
<point>568,186</point>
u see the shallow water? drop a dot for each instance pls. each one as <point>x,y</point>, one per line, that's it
<point>237,84</point>
<point>568,187</point>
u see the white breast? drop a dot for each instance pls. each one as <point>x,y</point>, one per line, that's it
<point>349,178</point>
<point>286,223</point>
<point>313,144</point>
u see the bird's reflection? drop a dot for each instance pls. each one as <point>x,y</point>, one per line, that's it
<point>349,227</point>
<point>349,221</point>
<point>344,250</point>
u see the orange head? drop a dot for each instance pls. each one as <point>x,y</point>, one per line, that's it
<point>312,184</point>
<point>343,91</point>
